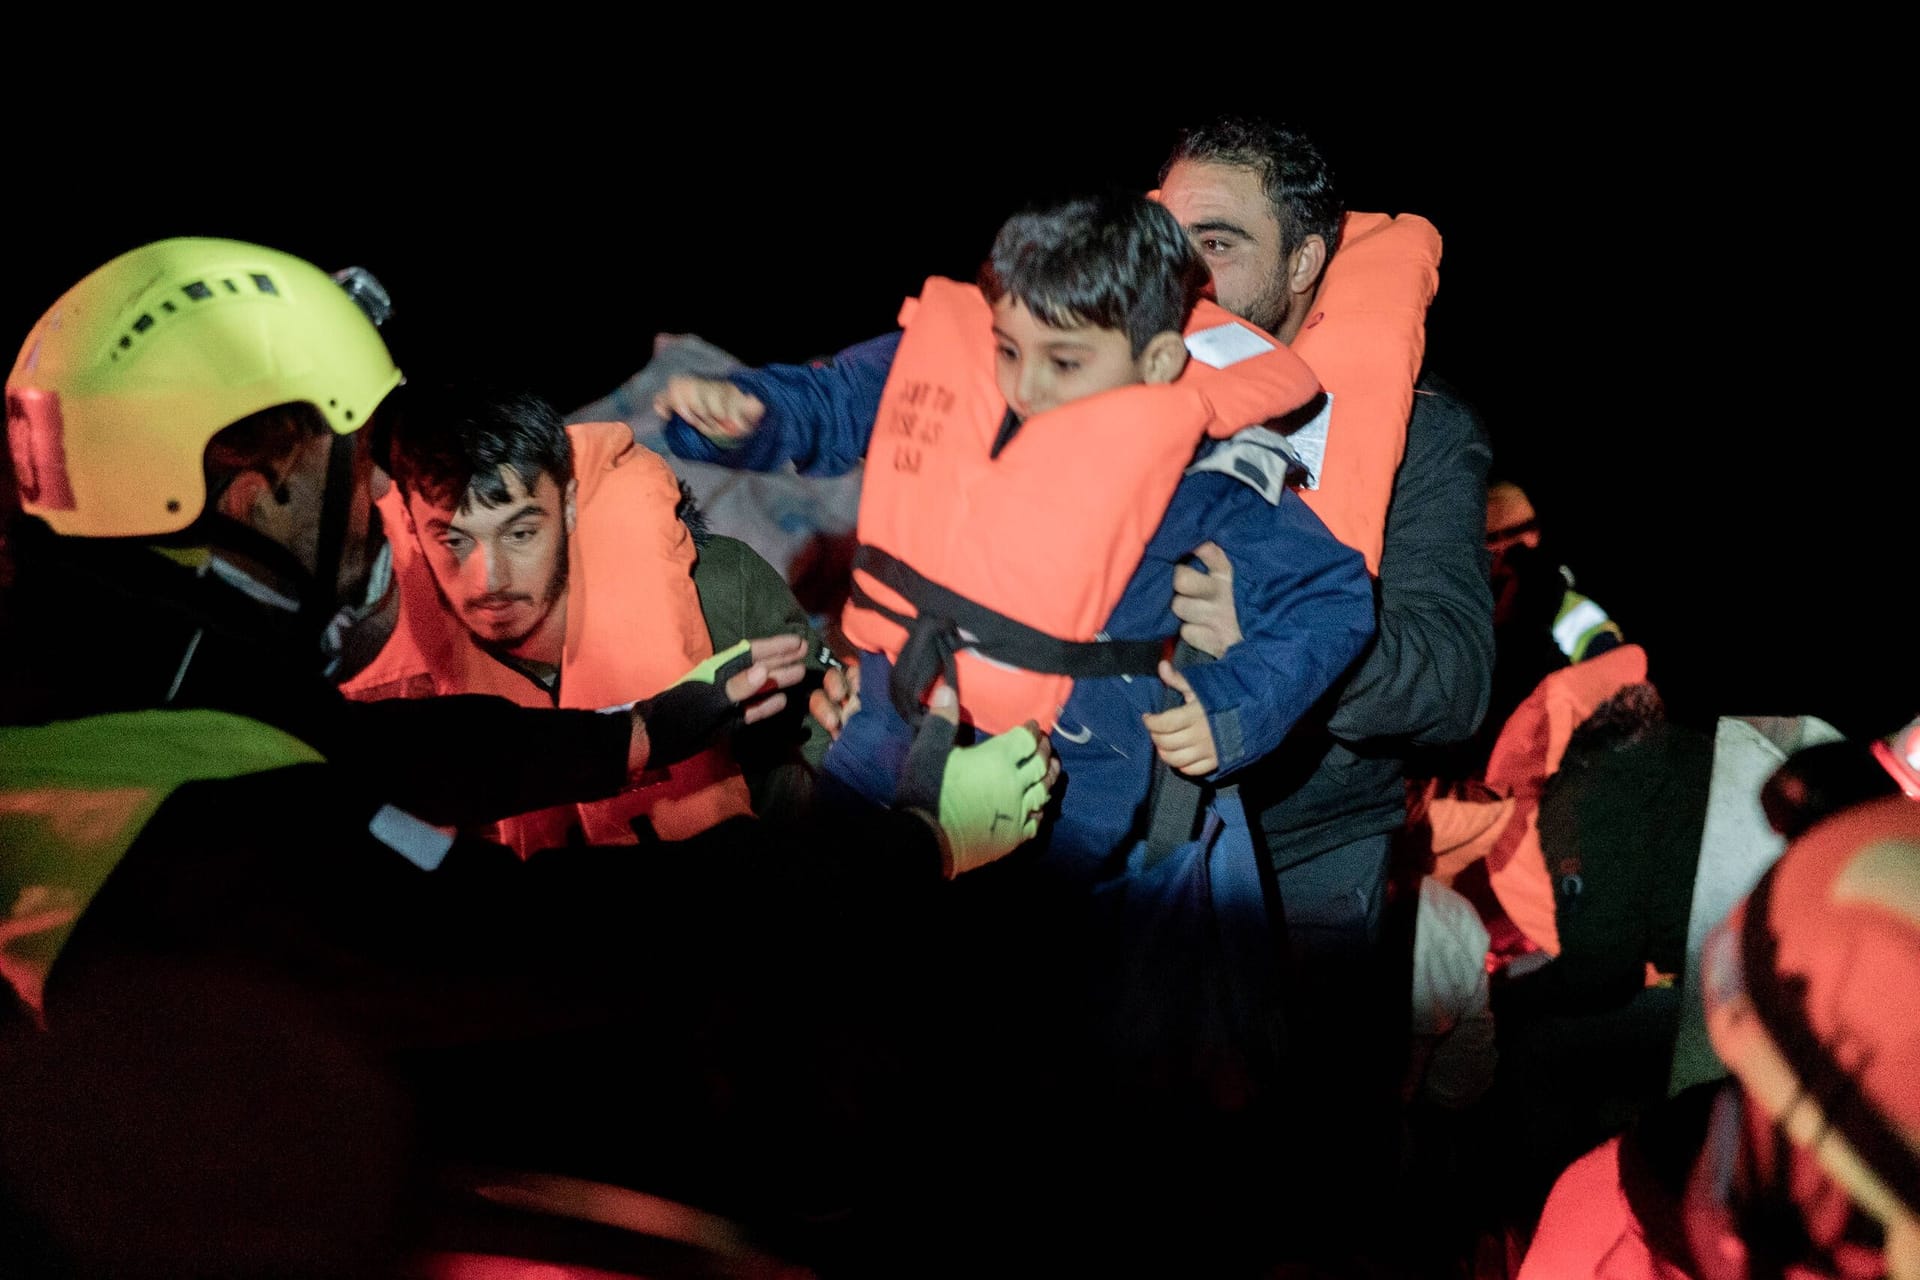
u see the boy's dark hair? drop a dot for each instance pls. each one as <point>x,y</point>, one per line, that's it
<point>1306,200</point>
<point>1115,260</point>
<point>447,443</point>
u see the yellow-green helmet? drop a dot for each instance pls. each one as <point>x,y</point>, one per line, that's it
<point>125,379</point>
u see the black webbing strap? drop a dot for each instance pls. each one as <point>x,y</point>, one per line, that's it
<point>946,622</point>
<point>1174,800</point>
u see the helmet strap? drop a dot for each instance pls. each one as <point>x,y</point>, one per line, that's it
<point>318,602</point>
<point>223,533</point>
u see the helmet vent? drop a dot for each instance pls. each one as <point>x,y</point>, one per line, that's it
<point>198,291</point>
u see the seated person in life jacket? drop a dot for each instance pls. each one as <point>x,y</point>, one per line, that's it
<point>1023,440</point>
<point>1541,624</point>
<point>504,524</point>
<point>1799,1159</point>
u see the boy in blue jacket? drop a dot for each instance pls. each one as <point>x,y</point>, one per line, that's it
<point>1144,908</point>
<point>1087,301</point>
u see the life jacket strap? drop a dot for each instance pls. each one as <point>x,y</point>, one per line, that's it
<point>1174,801</point>
<point>946,622</point>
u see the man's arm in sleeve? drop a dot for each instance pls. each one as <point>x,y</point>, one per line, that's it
<point>1427,676</point>
<point>1307,608</point>
<point>467,759</point>
<point>818,417</point>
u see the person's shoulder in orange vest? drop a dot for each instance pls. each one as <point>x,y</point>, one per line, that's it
<point>556,565</point>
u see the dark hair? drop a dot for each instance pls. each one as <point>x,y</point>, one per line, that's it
<point>447,443</point>
<point>1817,781</point>
<point>1299,183</point>
<point>1116,260</point>
<point>1630,715</point>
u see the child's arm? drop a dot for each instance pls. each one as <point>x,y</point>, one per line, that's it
<point>1305,606</point>
<point>816,416</point>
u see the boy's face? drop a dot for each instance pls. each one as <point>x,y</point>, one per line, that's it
<point>1040,367</point>
<point>502,569</point>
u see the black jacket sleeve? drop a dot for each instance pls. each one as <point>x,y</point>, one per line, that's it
<point>283,876</point>
<point>469,759</point>
<point>1426,677</point>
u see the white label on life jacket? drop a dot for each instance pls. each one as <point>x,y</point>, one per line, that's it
<point>419,842</point>
<point>1576,622</point>
<point>1309,442</point>
<point>1226,344</point>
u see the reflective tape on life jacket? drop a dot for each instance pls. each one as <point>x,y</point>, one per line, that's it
<point>75,794</point>
<point>1578,622</point>
<point>1032,533</point>
<point>634,627</point>
<point>1364,340</point>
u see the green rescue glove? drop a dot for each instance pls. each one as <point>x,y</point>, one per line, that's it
<point>684,720</point>
<point>986,799</point>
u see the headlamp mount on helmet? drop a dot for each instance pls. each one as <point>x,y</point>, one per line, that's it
<point>118,389</point>
<point>127,378</point>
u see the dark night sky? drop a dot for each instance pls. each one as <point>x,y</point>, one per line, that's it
<point>1611,295</point>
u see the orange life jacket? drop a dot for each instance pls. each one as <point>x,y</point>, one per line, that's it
<point>1365,340</point>
<point>1017,559</point>
<point>634,626</point>
<point>1524,757</point>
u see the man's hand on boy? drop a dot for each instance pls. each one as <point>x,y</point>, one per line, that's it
<point>837,698</point>
<point>714,407</point>
<point>738,686</point>
<point>1204,602</point>
<point>1182,737</point>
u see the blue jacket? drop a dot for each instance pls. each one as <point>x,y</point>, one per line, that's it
<point>1171,961</point>
<point>1304,600</point>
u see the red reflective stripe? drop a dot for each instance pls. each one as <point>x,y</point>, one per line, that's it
<point>37,436</point>
<point>1903,773</point>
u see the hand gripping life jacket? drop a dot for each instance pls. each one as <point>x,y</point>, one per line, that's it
<point>996,555</point>
<point>1365,340</point>
<point>634,626</point>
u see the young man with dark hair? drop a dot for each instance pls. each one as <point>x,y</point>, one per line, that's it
<point>566,566</point>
